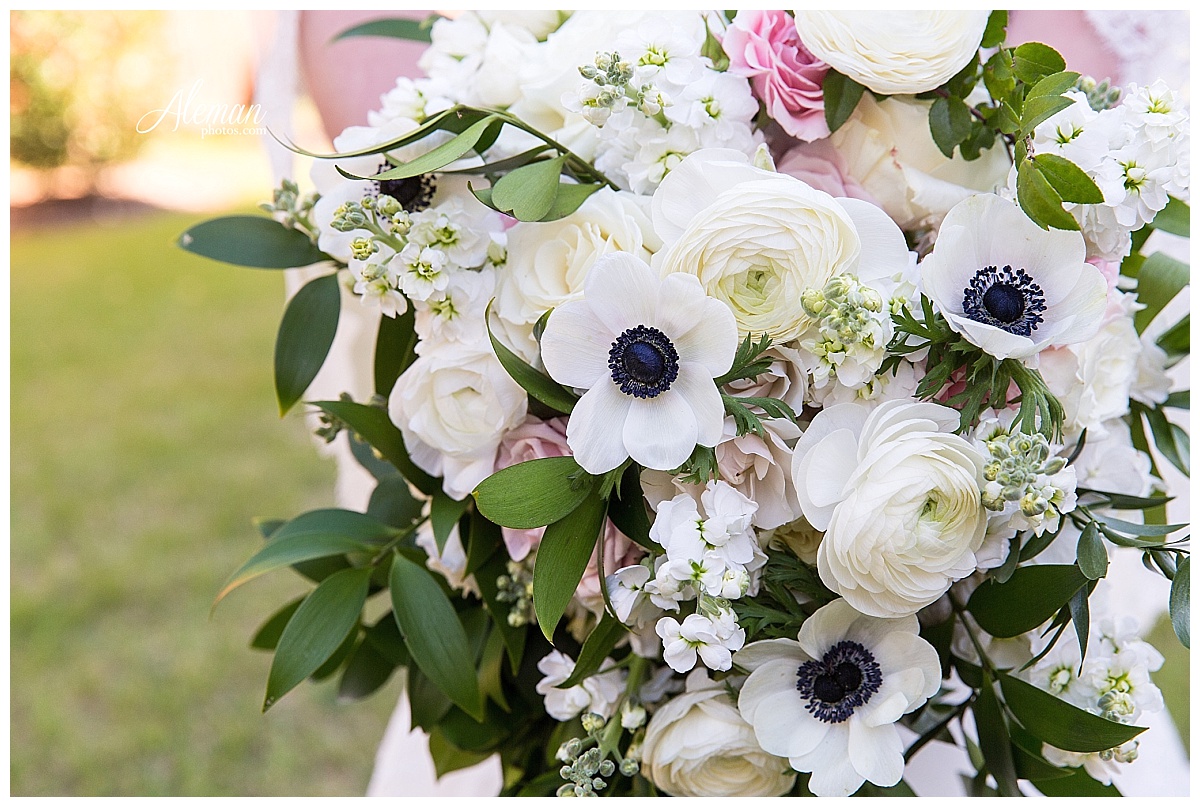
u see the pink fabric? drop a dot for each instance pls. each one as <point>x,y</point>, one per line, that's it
<point>764,47</point>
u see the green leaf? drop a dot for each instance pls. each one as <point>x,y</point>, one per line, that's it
<point>1142,530</point>
<point>1081,618</point>
<point>627,509</point>
<point>1068,180</point>
<point>448,757</point>
<point>1181,399</point>
<point>993,739</point>
<point>713,50</point>
<point>429,704</point>
<point>1004,572</point>
<point>841,97</point>
<point>469,734</point>
<point>1037,110</point>
<point>1040,201</point>
<point>444,513</point>
<point>536,383</point>
<point>318,628</point>
<point>1033,60</point>
<point>1181,602</point>
<point>534,493</point>
<point>1053,85</point>
<point>1091,556</point>
<point>1059,723</point>
<point>365,673</point>
<point>491,663</point>
<point>456,120</point>
<point>1177,341</point>
<point>440,156</point>
<point>486,576</point>
<point>305,334</point>
<point>394,349</point>
<point>1175,218</point>
<point>483,539</point>
<point>562,557</point>
<point>993,34</point>
<point>335,662</point>
<point>434,635</point>
<point>396,28</point>
<point>392,503</point>
<point>527,193</point>
<point>1120,501</point>
<point>1159,280</point>
<point>949,123</point>
<point>317,534</point>
<point>267,636</point>
<point>1172,441</point>
<point>253,241</point>
<point>569,199</point>
<point>998,78</point>
<point>1031,596</point>
<point>596,647</point>
<point>385,637</point>
<point>1078,783</point>
<point>374,426</point>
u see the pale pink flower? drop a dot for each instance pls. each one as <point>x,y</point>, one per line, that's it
<point>823,167</point>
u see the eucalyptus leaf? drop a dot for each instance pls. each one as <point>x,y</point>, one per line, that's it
<point>1031,596</point>
<point>316,631</point>
<point>376,428</point>
<point>1059,723</point>
<point>534,493</point>
<point>1091,556</point>
<point>528,193</point>
<point>1181,602</point>
<point>438,157</point>
<point>254,241</point>
<point>1068,180</point>
<point>841,96</point>
<point>305,334</point>
<point>562,557</point>
<point>1143,530</point>
<point>434,635</point>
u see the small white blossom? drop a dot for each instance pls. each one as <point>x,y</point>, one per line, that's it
<point>596,693</point>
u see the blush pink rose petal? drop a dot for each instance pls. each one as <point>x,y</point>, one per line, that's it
<point>764,47</point>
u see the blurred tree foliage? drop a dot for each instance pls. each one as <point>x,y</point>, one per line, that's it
<point>79,81</point>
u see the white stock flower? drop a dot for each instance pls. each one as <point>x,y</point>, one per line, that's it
<point>757,239</point>
<point>647,352</point>
<point>1008,286</point>
<point>596,693</point>
<point>713,638</point>
<point>457,315</point>
<point>893,52</point>
<point>897,494</point>
<point>697,744</point>
<point>453,406</point>
<point>451,561</point>
<point>829,702</point>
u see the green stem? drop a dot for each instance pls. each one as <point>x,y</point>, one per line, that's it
<point>983,657</point>
<point>574,159</point>
<point>395,542</point>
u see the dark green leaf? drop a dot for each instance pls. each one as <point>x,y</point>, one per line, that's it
<point>305,334</point>
<point>1053,85</point>
<point>562,557</point>
<point>1059,723</point>
<point>254,241</point>
<point>1119,501</point>
<point>1080,619</point>
<point>457,119</point>
<point>1040,201</point>
<point>534,493</point>
<point>1033,60</point>
<point>1175,218</point>
<point>429,704</point>
<point>374,426</point>
<point>899,790</point>
<point>993,34</point>
<point>527,193</point>
<point>394,349</point>
<point>385,637</point>
<point>444,513</point>
<point>1090,554</point>
<point>362,452</point>
<point>627,508</point>
<point>1177,341</point>
<point>1181,601</point>
<point>483,539</point>
<point>318,534</point>
<point>1078,783</point>
<point>435,637</point>
<point>394,27</point>
<point>1004,572</point>
<point>1159,280</point>
<point>993,739</point>
<point>569,199</point>
<point>318,569</point>
<point>1069,180</point>
<point>537,384</point>
<point>1143,530</point>
<point>841,97</point>
<point>1179,400</point>
<point>998,78</point>
<point>1031,596</point>
<point>438,157</point>
<point>469,734</point>
<point>365,673</point>
<point>267,636</point>
<point>393,503</point>
<point>949,123</point>
<point>335,662</point>
<point>1037,110</point>
<point>961,84</point>
<point>491,684</point>
<point>447,757</point>
<point>598,644</point>
<point>485,577</point>
<point>318,628</point>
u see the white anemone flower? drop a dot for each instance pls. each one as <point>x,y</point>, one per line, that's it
<point>647,351</point>
<point>829,702</point>
<point>1008,286</point>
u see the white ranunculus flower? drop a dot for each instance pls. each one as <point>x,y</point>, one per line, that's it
<point>453,406</point>
<point>888,149</point>
<point>757,239</point>
<point>697,744</point>
<point>829,702</point>
<point>1008,286</point>
<point>893,52</point>
<point>897,494</point>
<point>647,351</point>
<point>548,262</point>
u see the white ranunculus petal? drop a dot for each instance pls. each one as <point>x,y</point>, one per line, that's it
<point>659,432</point>
<point>594,432</point>
<point>692,186</point>
<point>576,352</point>
<point>877,752</point>
<point>884,250</point>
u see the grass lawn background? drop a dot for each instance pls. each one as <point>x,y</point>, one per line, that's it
<point>144,439</point>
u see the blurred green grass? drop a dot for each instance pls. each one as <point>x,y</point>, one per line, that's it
<point>144,437</point>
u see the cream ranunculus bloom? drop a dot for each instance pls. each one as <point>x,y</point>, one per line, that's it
<point>897,494</point>
<point>757,239</point>
<point>893,52</point>
<point>697,744</point>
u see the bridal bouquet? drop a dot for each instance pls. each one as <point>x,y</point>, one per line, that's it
<point>759,398</point>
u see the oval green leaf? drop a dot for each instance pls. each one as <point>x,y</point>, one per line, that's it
<point>534,493</point>
<point>1068,180</point>
<point>254,241</point>
<point>536,383</point>
<point>842,95</point>
<point>1034,60</point>
<point>1041,202</point>
<point>444,513</point>
<point>994,741</point>
<point>562,557</point>
<point>438,157</point>
<point>267,636</point>
<point>596,647</point>
<point>305,334</point>
<point>394,349</point>
<point>434,635</point>
<point>1031,596</point>
<point>1091,556</point>
<point>1181,602</point>
<point>365,673</point>
<point>1059,723</point>
<point>395,28</point>
<point>1175,218</point>
<point>317,630</point>
<point>527,193</point>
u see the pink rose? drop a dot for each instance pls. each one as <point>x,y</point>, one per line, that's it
<point>823,167</point>
<point>764,47</point>
<point>619,552</point>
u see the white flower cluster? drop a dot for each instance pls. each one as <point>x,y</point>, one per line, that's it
<point>1138,153</point>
